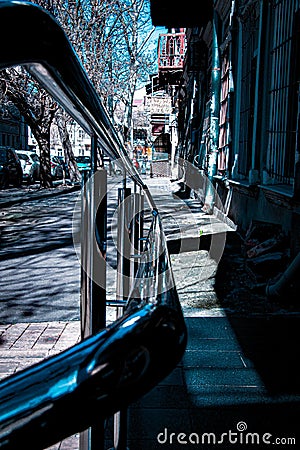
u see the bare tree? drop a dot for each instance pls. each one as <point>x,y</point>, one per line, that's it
<point>62,119</point>
<point>38,110</point>
<point>134,18</point>
<point>108,36</point>
<point>86,23</point>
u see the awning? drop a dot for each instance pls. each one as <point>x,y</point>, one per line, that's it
<point>189,13</point>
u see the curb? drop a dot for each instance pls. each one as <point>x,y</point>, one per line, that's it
<point>41,194</point>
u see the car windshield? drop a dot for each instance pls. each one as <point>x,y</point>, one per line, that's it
<point>83,159</point>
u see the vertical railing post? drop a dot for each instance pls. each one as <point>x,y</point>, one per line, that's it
<point>93,275</point>
<point>135,230</point>
<point>141,220</point>
<point>137,240</point>
<point>124,246</point>
<point>123,286</point>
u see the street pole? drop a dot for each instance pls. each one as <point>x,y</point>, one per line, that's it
<point>214,121</point>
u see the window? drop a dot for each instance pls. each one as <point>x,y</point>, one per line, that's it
<point>250,29</point>
<point>224,135</point>
<point>283,94</point>
<point>80,134</point>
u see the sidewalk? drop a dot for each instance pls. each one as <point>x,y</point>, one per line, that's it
<point>238,371</point>
<point>237,374</point>
<point>24,344</point>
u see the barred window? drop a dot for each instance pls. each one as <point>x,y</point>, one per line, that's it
<point>224,135</point>
<point>250,31</point>
<point>283,94</point>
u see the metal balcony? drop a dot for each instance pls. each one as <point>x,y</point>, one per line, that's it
<point>171,51</point>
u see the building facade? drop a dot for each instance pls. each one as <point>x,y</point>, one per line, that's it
<point>239,109</point>
<point>80,140</point>
<point>13,130</point>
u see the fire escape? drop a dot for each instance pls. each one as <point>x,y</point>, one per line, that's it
<point>171,52</point>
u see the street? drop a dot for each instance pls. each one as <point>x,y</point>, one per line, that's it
<point>39,268</point>
<point>205,108</point>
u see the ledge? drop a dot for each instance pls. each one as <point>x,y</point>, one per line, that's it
<point>281,195</point>
<point>243,186</point>
<point>277,194</point>
<point>278,189</point>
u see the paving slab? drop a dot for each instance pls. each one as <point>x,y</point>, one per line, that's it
<point>219,391</point>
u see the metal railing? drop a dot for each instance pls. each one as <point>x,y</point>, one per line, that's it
<point>171,51</point>
<point>283,91</point>
<point>116,364</point>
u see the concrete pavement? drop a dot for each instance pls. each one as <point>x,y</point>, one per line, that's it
<point>25,344</point>
<point>12,196</point>
<point>236,372</point>
<point>238,375</point>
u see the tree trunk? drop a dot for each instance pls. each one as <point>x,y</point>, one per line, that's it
<point>67,146</point>
<point>43,140</point>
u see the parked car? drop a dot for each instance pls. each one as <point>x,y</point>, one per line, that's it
<point>83,162</point>
<point>10,168</point>
<point>30,165</point>
<point>57,171</point>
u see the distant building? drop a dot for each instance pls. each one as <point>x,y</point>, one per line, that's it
<point>80,140</point>
<point>238,110</point>
<point>238,100</point>
<point>161,98</point>
<point>13,130</point>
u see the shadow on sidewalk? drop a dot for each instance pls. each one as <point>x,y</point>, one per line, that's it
<point>267,331</point>
<point>238,385</point>
<point>40,271</point>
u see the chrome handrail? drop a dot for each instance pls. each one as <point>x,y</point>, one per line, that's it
<point>109,370</point>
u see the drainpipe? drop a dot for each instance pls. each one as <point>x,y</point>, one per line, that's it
<point>276,290</point>
<point>214,120</point>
